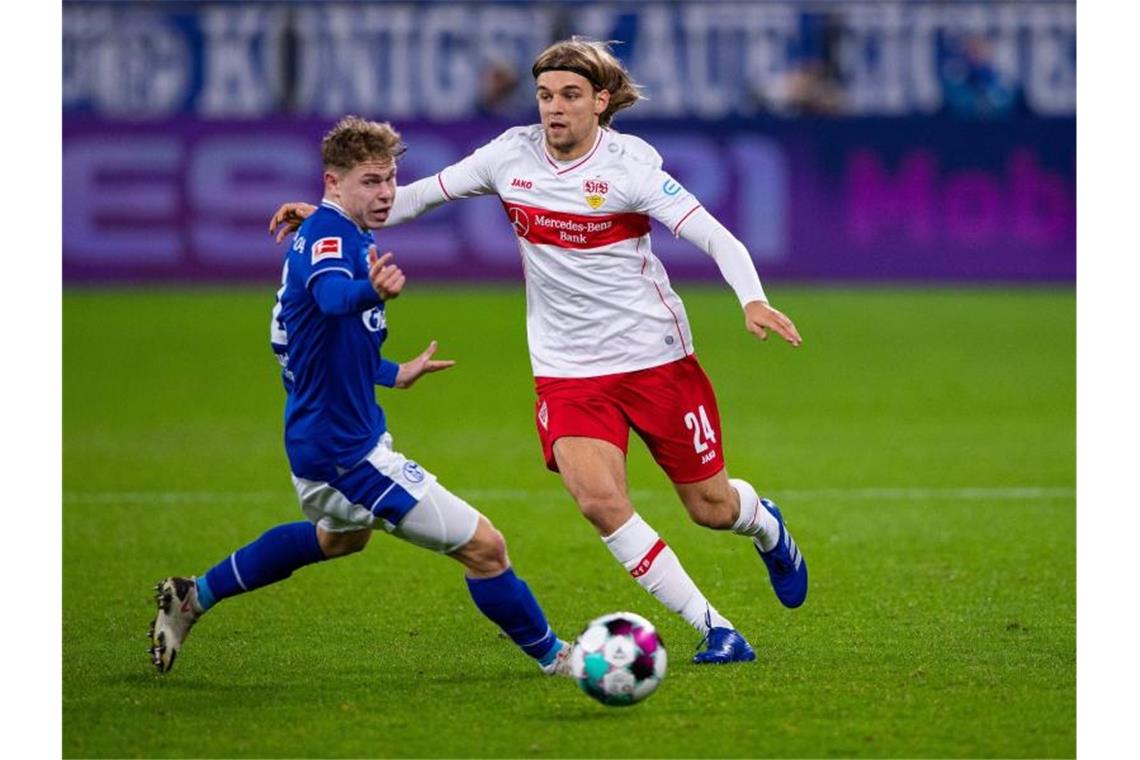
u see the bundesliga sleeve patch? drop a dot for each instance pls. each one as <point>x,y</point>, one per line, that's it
<point>327,248</point>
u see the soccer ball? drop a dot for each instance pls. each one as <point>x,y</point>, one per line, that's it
<point>619,659</point>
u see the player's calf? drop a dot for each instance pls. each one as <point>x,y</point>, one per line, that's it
<point>446,523</point>
<point>711,503</point>
<point>270,558</point>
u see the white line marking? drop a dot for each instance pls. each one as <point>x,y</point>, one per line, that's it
<point>475,495</point>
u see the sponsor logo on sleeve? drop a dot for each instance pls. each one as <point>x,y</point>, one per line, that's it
<point>327,248</point>
<point>670,187</point>
<point>595,190</point>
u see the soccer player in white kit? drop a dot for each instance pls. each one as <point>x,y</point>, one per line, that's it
<point>610,343</point>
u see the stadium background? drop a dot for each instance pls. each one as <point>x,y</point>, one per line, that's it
<point>870,141</point>
<point>903,173</point>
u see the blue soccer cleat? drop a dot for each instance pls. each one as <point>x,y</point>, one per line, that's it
<point>786,566</point>
<point>725,645</point>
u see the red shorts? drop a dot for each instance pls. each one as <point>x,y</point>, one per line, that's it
<point>672,407</point>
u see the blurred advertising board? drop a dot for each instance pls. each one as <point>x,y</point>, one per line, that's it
<point>183,199</point>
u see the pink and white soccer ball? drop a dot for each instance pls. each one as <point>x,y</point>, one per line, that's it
<point>619,659</point>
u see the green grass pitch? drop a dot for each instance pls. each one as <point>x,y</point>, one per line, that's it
<point>921,443</point>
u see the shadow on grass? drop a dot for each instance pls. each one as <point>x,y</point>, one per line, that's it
<point>590,712</point>
<point>468,678</point>
<point>190,682</point>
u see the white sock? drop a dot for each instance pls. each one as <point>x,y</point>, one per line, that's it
<point>656,568</point>
<point>754,519</point>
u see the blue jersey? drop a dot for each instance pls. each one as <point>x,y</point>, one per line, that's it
<point>330,363</point>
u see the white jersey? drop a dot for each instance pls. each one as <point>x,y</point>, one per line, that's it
<point>598,300</point>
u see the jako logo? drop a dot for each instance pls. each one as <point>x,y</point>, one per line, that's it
<point>525,184</point>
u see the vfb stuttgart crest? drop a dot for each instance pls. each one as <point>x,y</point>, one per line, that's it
<point>595,190</point>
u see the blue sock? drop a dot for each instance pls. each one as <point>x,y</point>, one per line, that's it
<point>508,602</point>
<point>272,557</point>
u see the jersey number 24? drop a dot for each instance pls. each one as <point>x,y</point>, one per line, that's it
<point>702,429</point>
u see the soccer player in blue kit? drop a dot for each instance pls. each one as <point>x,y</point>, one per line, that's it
<point>327,328</point>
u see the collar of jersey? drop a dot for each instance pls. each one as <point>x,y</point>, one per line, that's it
<point>560,169</point>
<point>334,207</point>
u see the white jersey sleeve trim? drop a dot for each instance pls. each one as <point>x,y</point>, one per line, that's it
<point>731,257</point>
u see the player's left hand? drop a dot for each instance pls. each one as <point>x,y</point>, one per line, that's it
<point>412,370</point>
<point>386,278</point>
<point>289,217</point>
<point>759,317</point>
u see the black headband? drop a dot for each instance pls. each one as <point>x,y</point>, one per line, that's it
<point>580,71</point>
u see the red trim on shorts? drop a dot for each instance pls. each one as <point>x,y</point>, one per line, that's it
<point>647,561</point>
<point>439,178</point>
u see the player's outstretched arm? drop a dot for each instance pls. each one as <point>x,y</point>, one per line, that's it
<point>413,369</point>
<point>705,232</point>
<point>759,318</point>
<point>288,218</point>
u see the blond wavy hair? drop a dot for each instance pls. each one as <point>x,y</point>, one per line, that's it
<point>595,61</point>
<point>355,140</point>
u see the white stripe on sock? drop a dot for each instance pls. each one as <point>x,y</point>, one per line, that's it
<point>237,575</point>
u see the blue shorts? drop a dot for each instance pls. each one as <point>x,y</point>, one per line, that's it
<point>376,492</point>
<point>387,490</point>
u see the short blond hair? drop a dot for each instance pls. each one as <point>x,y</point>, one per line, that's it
<point>355,140</point>
<point>596,62</point>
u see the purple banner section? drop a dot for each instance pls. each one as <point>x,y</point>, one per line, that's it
<point>920,199</point>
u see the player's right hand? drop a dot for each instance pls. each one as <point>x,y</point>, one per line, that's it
<point>386,278</point>
<point>289,218</point>
<point>414,369</point>
<point>759,318</point>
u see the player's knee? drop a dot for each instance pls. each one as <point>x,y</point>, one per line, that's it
<point>342,544</point>
<point>607,511</point>
<point>486,552</point>
<point>597,509</point>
